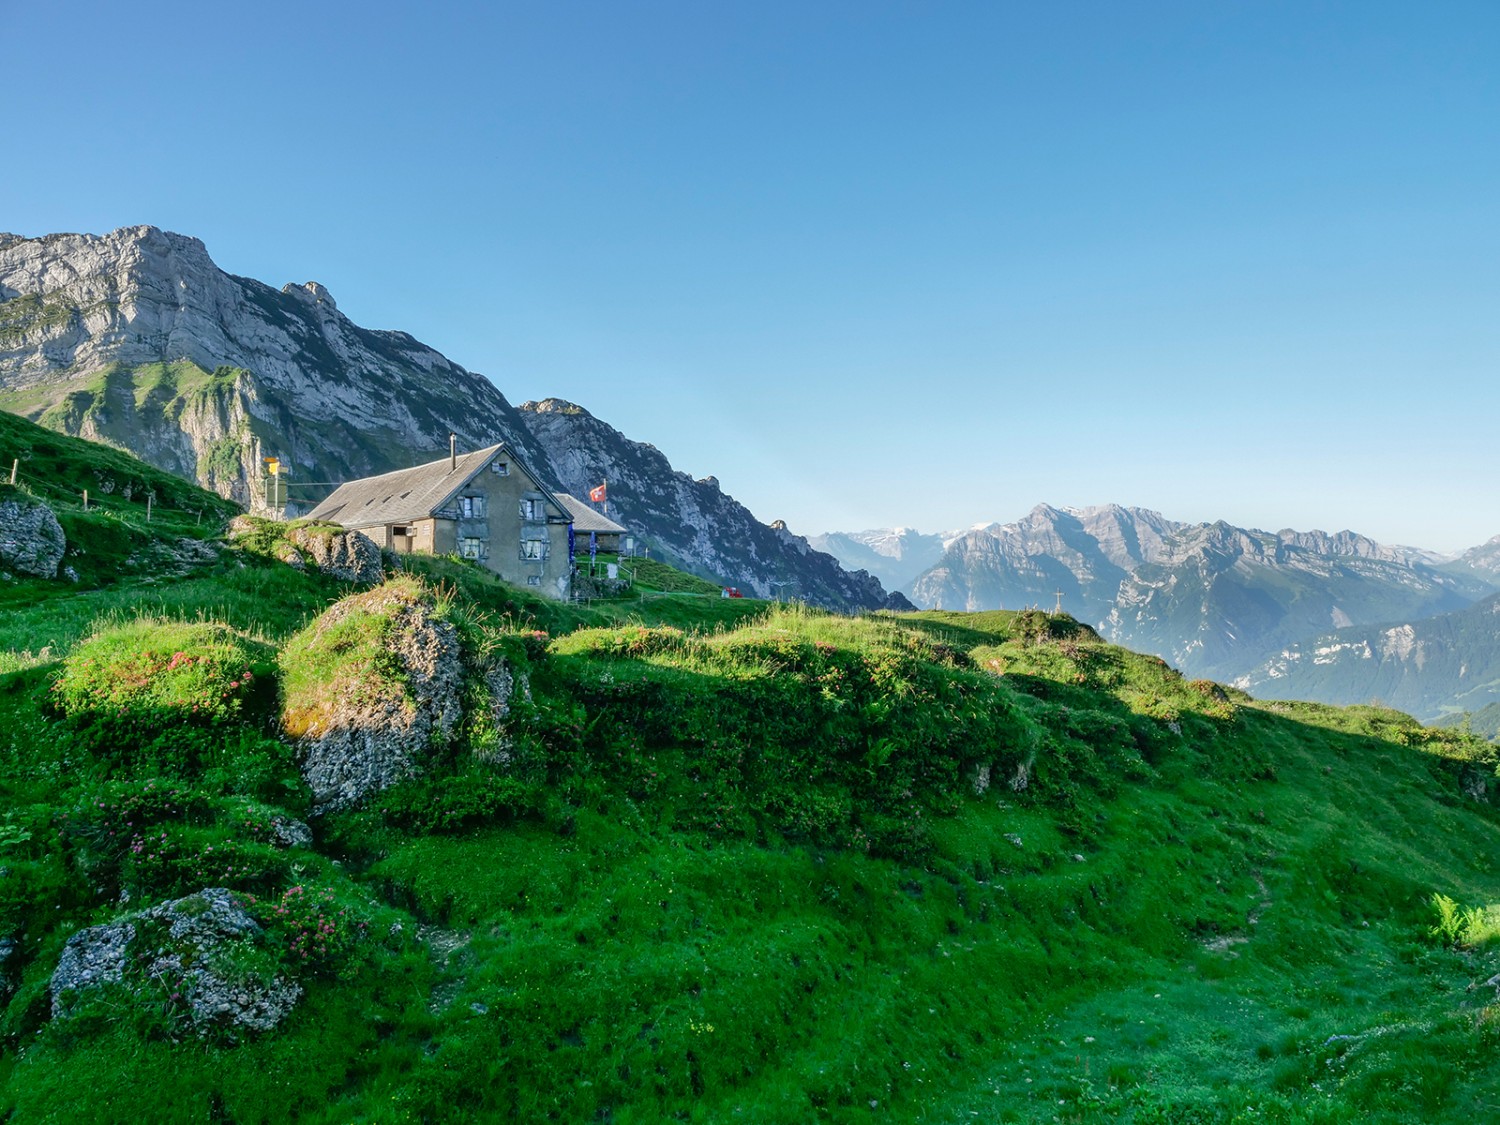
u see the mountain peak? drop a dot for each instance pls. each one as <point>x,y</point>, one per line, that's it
<point>313,292</point>
<point>553,406</point>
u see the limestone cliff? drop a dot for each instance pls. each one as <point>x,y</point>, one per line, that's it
<point>137,338</point>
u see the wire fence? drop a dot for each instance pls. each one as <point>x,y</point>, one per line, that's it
<point>135,501</point>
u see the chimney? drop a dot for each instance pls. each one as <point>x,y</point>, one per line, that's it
<point>453,452</point>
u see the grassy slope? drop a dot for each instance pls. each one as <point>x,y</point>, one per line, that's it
<point>751,879</point>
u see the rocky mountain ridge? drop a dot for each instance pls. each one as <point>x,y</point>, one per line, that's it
<point>138,339</point>
<point>1215,599</point>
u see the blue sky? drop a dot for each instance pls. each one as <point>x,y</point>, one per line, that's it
<point>868,263</point>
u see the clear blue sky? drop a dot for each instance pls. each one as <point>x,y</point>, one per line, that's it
<point>868,263</point>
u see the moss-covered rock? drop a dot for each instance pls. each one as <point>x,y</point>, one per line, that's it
<point>350,556</point>
<point>200,955</point>
<point>369,689</point>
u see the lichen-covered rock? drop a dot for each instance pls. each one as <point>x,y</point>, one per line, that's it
<point>287,832</point>
<point>92,957</point>
<point>31,539</point>
<point>369,689</point>
<point>191,950</point>
<point>348,555</point>
<point>241,526</point>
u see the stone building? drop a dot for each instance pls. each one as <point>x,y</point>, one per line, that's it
<point>486,506</point>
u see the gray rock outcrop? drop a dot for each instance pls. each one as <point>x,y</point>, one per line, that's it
<point>359,735</point>
<point>7,984</point>
<point>184,949</point>
<point>31,539</point>
<point>350,556</point>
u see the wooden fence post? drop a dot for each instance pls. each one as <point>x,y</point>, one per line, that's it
<point>14,465</point>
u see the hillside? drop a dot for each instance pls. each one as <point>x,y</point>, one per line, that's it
<point>760,864</point>
<point>138,339</point>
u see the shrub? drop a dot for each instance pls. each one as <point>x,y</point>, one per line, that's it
<point>150,675</point>
<point>316,933</point>
<point>453,803</point>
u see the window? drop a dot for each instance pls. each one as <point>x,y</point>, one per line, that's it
<point>500,468</point>
<point>471,507</point>
<point>469,547</point>
<point>534,549</point>
<point>533,580</point>
<point>535,510</point>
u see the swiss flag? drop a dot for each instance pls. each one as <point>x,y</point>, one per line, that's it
<point>598,495</point>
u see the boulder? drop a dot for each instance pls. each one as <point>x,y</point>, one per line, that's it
<point>31,539</point>
<point>371,687</point>
<point>191,949</point>
<point>350,556</point>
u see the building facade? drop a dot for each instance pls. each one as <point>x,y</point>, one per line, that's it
<point>486,506</point>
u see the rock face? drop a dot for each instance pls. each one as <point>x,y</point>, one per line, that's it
<point>187,948</point>
<point>1085,553</point>
<point>361,730</point>
<point>31,539</point>
<point>136,336</point>
<point>350,556</point>
<point>695,524</point>
<point>7,985</point>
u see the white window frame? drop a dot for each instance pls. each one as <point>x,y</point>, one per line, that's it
<point>471,507</point>
<point>471,547</point>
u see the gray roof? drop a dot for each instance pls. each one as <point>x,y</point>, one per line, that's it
<point>586,518</point>
<point>406,494</point>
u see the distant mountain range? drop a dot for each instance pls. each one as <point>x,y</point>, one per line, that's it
<point>1432,667</point>
<point>896,557</point>
<point>1228,603</point>
<point>136,338</point>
